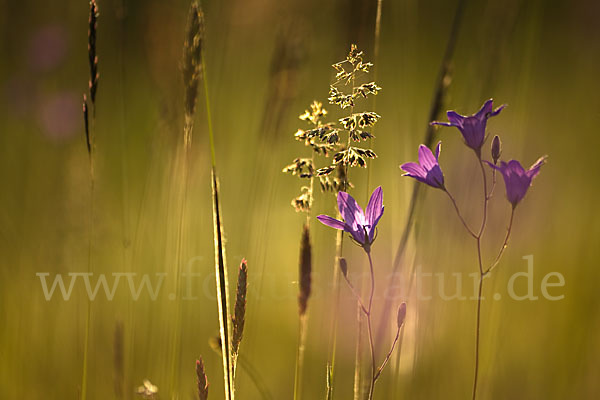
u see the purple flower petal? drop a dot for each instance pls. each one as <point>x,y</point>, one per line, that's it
<point>492,165</point>
<point>435,177</point>
<point>429,170</point>
<point>497,110</point>
<point>374,211</point>
<point>441,123</point>
<point>332,222</point>
<point>517,180</point>
<point>438,149</point>
<point>472,127</point>
<point>426,158</point>
<point>455,119</point>
<point>534,170</point>
<point>414,170</point>
<point>485,110</point>
<point>350,210</point>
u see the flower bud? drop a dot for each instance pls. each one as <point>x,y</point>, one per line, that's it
<point>344,266</point>
<point>496,149</point>
<point>401,314</point>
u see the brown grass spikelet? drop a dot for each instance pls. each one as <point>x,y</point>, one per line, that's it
<point>305,270</point>
<point>239,312</point>
<point>86,121</point>
<point>93,57</point>
<point>201,380</point>
<point>192,61</point>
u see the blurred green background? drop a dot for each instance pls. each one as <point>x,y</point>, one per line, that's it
<point>266,61</point>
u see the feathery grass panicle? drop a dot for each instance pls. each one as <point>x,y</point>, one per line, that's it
<point>192,65</point>
<point>355,125</point>
<point>239,313</point>
<point>93,57</point>
<point>305,270</point>
<point>119,377</point>
<point>201,380</point>
<point>222,284</point>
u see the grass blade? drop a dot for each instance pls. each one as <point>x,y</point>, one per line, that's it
<point>222,284</point>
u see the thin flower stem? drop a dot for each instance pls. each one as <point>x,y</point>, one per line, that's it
<point>460,215</point>
<point>485,200</point>
<point>504,245</point>
<point>389,355</point>
<point>481,276</point>
<point>370,329</point>
<point>477,335</point>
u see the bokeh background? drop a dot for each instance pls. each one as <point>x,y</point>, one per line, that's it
<point>266,61</point>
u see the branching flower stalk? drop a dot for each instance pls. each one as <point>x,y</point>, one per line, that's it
<point>517,181</point>
<point>362,228</point>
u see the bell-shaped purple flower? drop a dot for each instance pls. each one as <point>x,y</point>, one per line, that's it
<point>472,127</point>
<point>361,225</point>
<point>516,178</point>
<point>428,169</point>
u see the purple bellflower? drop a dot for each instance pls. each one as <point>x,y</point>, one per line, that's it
<point>472,127</point>
<point>516,178</point>
<point>428,169</point>
<point>359,224</point>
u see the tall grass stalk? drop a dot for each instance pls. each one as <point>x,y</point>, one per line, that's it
<point>376,40</point>
<point>222,282</point>
<point>89,130</point>
<point>90,127</point>
<point>191,71</point>
<point>339,246</point>
<point>359,315</point>
<point>441,88</point>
